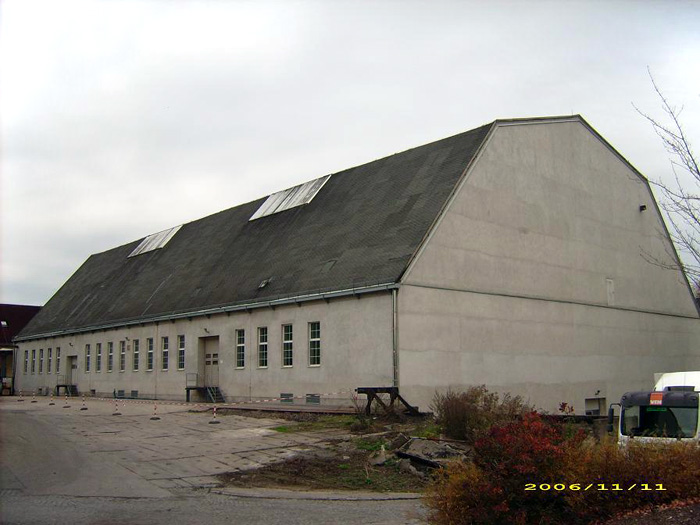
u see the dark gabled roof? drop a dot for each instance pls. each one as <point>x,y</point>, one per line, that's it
<point>361,229</point>
<point>14,317</point>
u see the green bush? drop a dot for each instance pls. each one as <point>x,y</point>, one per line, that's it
<point>468,415</point>
<point>535,451</point>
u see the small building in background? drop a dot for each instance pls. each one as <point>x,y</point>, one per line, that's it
<point>13,317</point>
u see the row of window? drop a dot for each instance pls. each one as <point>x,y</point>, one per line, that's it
<point>49,360</point>
<point>136,355</point>
<point>314,335</point>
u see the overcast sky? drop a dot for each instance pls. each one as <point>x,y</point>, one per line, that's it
<point>122,118</point>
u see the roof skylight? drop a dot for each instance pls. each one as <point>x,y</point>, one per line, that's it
<point>290,198</point>
<point>155,241</point>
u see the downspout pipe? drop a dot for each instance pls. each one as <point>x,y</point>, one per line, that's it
<point>395,334</point>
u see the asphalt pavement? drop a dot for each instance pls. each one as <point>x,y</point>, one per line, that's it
<point>89,466</point>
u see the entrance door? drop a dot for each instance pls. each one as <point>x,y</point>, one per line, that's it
<point>72,365</point>
<point>211,361</point>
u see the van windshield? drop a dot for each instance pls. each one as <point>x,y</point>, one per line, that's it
<point>660,421</point>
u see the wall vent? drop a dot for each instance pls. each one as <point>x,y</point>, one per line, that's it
<point>313,399</point>
<point>287,398</point>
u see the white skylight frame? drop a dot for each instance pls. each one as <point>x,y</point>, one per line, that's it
<point>290,198</point>
<point>155,241</point>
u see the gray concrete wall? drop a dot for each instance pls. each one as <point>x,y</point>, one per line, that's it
<point>537,279</point>
<point>356,350</point>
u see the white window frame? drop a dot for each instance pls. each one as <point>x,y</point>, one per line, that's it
<point>312,342</point>
<point>33,360</point>
<point>58,359</point>
<point>122,356</point>
<point>41,360</point>
<point>149,354</point>
<point>287,346</point>
<point>87,358</point>
<point>164,353</point>
<point>98,357</point>
<point>49,355</point>
<point>135,357</point>
<point>110,356</point>
<point>263,345</point>
<point>240,348</point>
<point>26,361</point>
<point>180,352</point>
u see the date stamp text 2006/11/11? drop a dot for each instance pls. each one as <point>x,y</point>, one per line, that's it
<point>595,486</point>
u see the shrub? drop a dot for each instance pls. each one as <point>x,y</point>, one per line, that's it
<point>468,415</point>
<point>491,489</point>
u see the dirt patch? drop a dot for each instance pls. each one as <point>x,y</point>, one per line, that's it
<point>350,471</point>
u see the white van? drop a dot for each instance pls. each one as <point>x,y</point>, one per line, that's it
<point>669,413</point>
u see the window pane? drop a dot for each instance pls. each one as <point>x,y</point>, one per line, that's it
<point>287,346</point>
<point>240,348</point>
<point>262,346</point>
<point>314,344</point>
<point>135,358</point>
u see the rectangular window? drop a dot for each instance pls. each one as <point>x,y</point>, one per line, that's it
<point>48,361</point>
<point>33,361</point>
<point>135,361</point>
<point>110,356</point>
<point>262,347</point>
<point>180,352</point>
<point>149,354</point>
<point>58,359</point>
<point>41,360</point>
<point>122,356</point>
<point>315,344</point>
<point>164,352</point>
<point>240,348</point>
<point>87,358</point>
<point>287,345</point>
<point>26,360</point>
<point>98,357</point>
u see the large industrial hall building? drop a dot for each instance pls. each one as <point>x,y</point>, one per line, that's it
<point>518,255</point>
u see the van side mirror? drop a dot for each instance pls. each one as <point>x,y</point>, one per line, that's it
<point>611,416</point>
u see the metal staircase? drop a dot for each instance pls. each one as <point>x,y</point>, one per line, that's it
<point>214,394</point>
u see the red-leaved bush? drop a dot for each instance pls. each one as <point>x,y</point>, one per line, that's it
<point>536,453</point>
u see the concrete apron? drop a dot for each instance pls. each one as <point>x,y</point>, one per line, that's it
<point>68,451</point>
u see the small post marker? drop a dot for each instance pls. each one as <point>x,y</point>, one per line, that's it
<point>66,405</point>
<point>116,408</point>
<point>84,407</point>
<point>51,403</point>
<point>155,417</point>
<point>34,397</point>
<point>21,398</point>
<point>214,421</point>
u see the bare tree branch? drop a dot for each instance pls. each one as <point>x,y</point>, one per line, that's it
<point>679,199</point>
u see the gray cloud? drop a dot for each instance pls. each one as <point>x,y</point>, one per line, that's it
<point>120,119</point>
